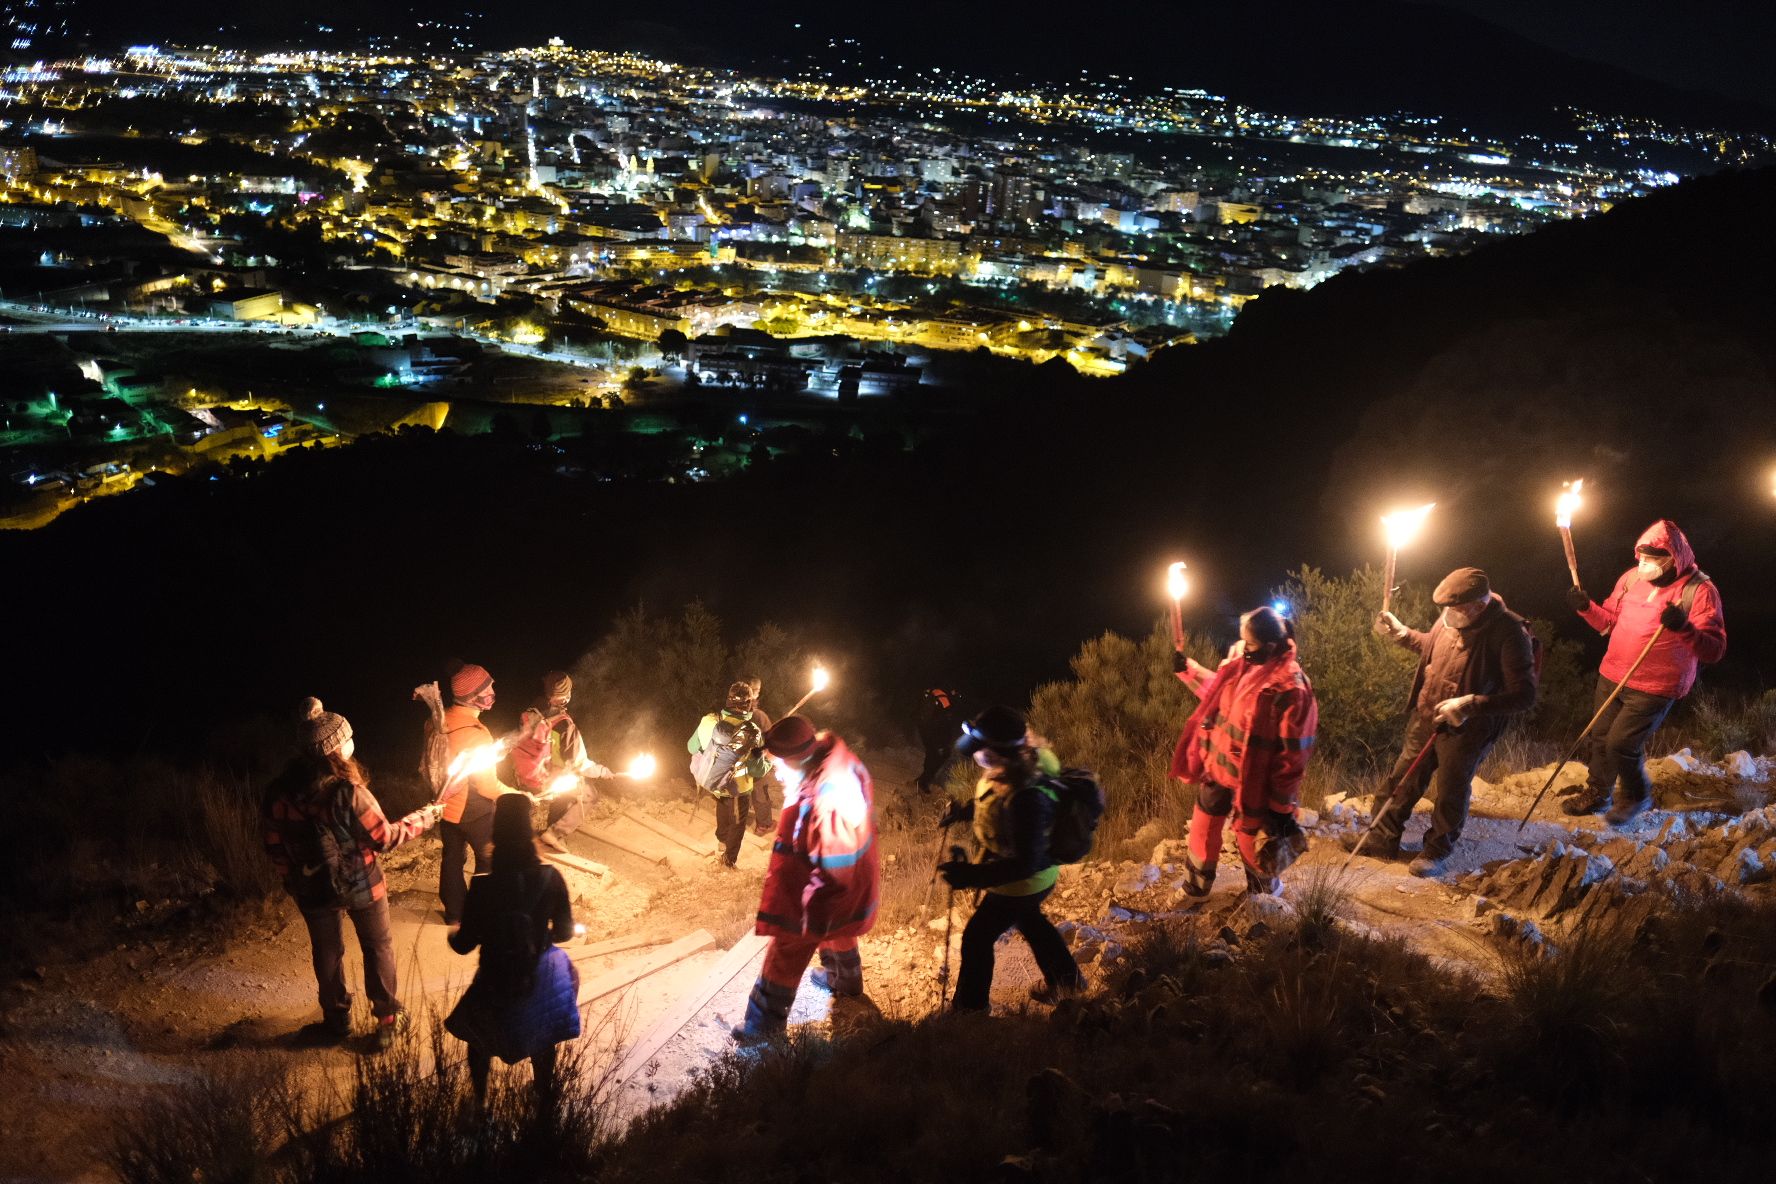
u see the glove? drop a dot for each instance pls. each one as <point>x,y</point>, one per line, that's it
<point>956,812</point>
<point>1388,625</point>
<point>1578,599</point>
<point>1179,662</point>
<point>597,770</point>
<point>959,873</point>
<point>1454,712</point>
<point>1674,618</point>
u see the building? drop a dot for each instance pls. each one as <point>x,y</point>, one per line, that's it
<point>247,304</point>
<point>887,252</point>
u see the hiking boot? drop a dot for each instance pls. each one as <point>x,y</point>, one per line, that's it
<point>1045,992</point>
<point>1587,801</point>
<point>1277,852</point>
<point>1259,884</point>
<point>835,984</point>
<point>753,1037</point>
<point>553,841</point>
<point>338,1025</point>
<point>390,1026</point>
<point>1426,866</point>
<point>1370,844</point>
<point>1624,812</point>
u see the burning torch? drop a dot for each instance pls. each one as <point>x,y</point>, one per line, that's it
<point>640,769</point>
<point>1177,587</point>
<point>817,683</point>
<point>480,759</point>
<point>1564,505</point>
<point>1402,527</point>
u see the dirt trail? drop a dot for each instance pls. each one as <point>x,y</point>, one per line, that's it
<point>83,1040</point>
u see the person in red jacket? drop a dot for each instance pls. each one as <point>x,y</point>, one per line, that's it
<point>1664,589</point>
<point>824,878</point>
<point>1245,749</point>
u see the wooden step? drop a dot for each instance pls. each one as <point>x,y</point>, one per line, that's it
<point>702,846</point>
<point>578,863</point>
<point>614,945</point>
<point>742,955</point>
<point>651,851</point>
<point>650,963</point>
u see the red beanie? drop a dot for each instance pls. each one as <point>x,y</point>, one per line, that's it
<point>791,738</point>
<point>469,684</point>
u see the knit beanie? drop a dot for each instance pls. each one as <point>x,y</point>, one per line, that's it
<point>470,684</point>
<point>557,685</point>
<point>323,731</point>
<point>790,738</point>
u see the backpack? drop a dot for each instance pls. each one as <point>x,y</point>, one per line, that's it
<point>434,757</point>
<point>1079,805</point>
<point>510,951</point>
<point>711,766</point>
<point>319,874</point>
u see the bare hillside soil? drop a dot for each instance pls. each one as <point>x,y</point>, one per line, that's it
<point>84,1039</point>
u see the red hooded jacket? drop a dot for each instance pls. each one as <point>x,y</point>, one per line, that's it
<point>825,873</point>
<point>1631,613</point>
<point>1251,732</point>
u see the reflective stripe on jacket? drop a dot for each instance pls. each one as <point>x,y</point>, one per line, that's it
<point>825,875</point>
<point>1251,732</point>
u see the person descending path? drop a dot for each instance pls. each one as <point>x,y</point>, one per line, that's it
<point>727,757</point>
<point>323,830</point>
<point>524,997</point>
<point>1664,593</point>
<point>1246,749</point>
<point>1476,669</point>
<point>469,795</point>
<point>824,879</point>
<point>1013,813</point>
<point>547,745</point>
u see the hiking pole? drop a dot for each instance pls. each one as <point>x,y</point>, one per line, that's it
<point>943,833</point>
<point>943,975</point>
<point>1393,789</point>
<point>1573,751</point>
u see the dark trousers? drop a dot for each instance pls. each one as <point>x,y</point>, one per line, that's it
<point>460,838</point>
<point>767,800</point>
<point>994,915</point>
<point>326,940</point>
<point>1452,760</point>
<point>937,757</point>
<point>731,813</point>
<point>1618,742</point>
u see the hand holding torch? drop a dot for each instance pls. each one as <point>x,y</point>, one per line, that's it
<point>1402,527</point>
<point>1564,505</point>
<point>1177,587</point>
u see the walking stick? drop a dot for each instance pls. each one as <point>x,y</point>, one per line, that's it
<point>943,975</point>
<point>1393,789</point>
<point>943,833</point>
<point>1571,752</point>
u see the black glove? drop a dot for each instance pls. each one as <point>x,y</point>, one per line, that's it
<point>956,812</point>
<point>1180,663</point>
<point>1578,599</point>
<point>959,873</point>
<point>1674,618</point>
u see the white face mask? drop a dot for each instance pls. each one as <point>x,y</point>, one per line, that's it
<point>1651,569</point>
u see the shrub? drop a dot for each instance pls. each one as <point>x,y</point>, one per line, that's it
<point>1120,716</point>
<point>215,1127</point>
<point>1714,724</point>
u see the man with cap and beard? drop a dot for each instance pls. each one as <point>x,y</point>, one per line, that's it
<point>1476,669</point>
<point>546,745</point>
<point>727,758</point>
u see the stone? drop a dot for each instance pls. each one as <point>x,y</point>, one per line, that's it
<point>1743,766</point>
<point>1307,818</point>
<point>1138,879</point>
<point>1169,851</point>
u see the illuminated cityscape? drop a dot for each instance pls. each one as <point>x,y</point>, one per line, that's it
<point>219,239</point>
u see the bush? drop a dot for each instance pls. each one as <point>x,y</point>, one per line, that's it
<point>1714,724</point>
<point>216,1128</point>
<point>1360,679</point>
<point>1120,716</point>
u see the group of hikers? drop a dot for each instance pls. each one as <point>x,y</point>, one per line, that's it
<point>1244,749</point>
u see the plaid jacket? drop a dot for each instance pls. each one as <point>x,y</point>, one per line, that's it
<point>294,800</point>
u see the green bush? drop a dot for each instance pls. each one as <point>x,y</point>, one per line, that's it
<point>1120,715</point>
<point>1360,679</point>
<point>1714,724</point>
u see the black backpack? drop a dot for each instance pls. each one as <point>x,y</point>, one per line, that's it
<point>511,951</point>
<point>317,844</point>
<point>1079,805</point>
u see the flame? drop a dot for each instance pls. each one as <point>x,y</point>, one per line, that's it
<point>564,784</point>
<point>643,766</point>
<point>821,677</point>
<point>1402,526</point>
<point>1567,502</point>
<point>476,760</point>
<point>1177,583</point>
